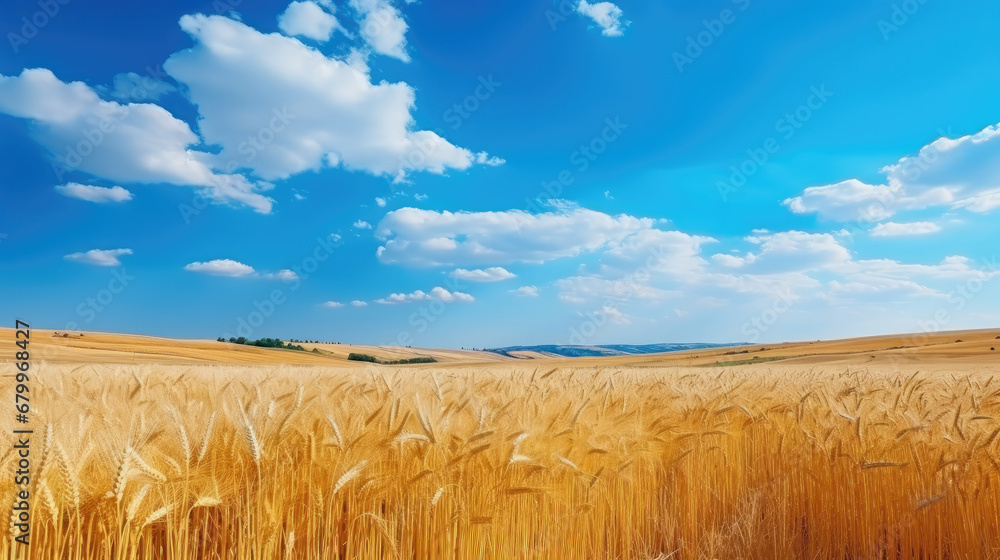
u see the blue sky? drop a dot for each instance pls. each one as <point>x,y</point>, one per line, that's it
<point>450,174</point>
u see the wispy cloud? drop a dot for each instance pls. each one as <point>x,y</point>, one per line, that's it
<point>492,274</point>
<point>99,257</point>
<point>893,229</point>
<point>93,193</point>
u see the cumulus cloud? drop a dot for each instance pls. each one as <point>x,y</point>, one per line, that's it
<point>332,304</point>
<point>795,251</point>
<point>359,303</point>
<point>436,294</point>
<point>606,15</point>
<point>380,202</point>
<point>526,291</point>
<point>311,111</point>
<point>252,91</point>
<point>221,267</point>
<point>236,269</point>
<point>92,193</point>
<point>361,224</point>
<point>809,271</point>
<point>492,274</point>
<point>671,252</point>
<point>133,143</point>
<point>308,19</point>
<point>893,229</point>
<point>382,27</point>
<point>99,257</point>
<point>958,173</point>
<point>428,238</point>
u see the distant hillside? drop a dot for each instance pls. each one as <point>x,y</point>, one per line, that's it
<point>604,350</point>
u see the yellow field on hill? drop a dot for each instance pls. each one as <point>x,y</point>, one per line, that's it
<point>965,348</point>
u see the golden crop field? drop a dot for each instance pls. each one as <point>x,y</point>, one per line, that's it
<point>512,461</point>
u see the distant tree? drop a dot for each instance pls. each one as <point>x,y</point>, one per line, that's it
<point>354,356</point>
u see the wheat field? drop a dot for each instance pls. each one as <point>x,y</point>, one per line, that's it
<point>511,461</point>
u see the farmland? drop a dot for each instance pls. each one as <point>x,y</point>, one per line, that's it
<point>515,459</point>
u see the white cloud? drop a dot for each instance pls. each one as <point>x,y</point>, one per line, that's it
<point>307,19</point>
<point>958,173</point>
<point>335,236</point>
<point>361,224</point>
<point>92,193</point>
<point>893,229</point>
<point>492,274</point>
<point>436,294</point>
<point>483,158</point>
<point>99,257</point>
<point>605,14</point>
<point>382,27</point>
<point>795,251</point>
<point>609,285</point>
<point>428,238</point>
<point>332,304</point>
<point>236,269</point>
<point>615,315</point>
<point>380,202</point>
<point>669,252</point>
<point>133,143</point>
<point>133,87</point>
<point>283,275</point>
<point>358,303</point>
<point>526,291</point>
<point>731,261</point>
<point>311,111</point>
<point>221,267</point>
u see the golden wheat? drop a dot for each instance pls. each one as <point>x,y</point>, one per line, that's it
<point>505,462</point>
